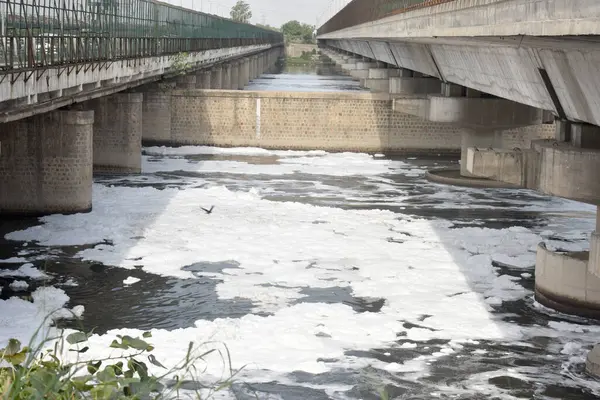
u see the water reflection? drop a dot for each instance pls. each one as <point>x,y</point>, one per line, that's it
<point>319,76</point>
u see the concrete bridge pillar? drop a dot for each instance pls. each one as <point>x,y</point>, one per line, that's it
<point>235,75</point>
<point>156,115</point>
<point>378,79</point>
<point>185,82</point>
<point>46,164</point>
<point>361,70</point>
<point>215,77</point>
<point>253,67</point>
<point>203,79</point>
<point>243,72</point>
<point>118,132</point>
<point>403,85</point>
<point>226,71</point>
<point>261,63</point>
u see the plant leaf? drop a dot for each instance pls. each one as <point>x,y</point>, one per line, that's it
<point>136,343</point>
<point>154,361</point>
<point>147,335</point>
<point>86,348</point>
<point>77,337</point>
<point>14,346</point>
<point>117,345</point>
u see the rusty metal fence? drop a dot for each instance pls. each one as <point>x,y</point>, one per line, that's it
<point>360,11</point>
<point>44,33</point>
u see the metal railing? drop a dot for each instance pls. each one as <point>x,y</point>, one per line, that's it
<point>45,33</point>
<point>360,11</point>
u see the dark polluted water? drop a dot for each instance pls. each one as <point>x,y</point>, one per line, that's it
<point>338,276</point>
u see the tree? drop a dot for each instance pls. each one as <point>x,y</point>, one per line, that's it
<point>240,12</point>
<point>267,26</point>
<point>295,31</point>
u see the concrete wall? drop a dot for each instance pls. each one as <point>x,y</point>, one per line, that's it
<point>289,120</point>
<point>296,49</point>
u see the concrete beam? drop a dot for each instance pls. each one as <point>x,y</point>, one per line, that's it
<point>482,18</point>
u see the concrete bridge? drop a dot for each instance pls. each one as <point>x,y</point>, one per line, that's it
<point>79,84</point>
<point>498,69</point>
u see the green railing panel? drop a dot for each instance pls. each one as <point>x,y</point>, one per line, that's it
<point>41,33</point>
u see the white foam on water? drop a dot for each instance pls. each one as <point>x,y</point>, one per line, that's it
<point>233,151</point>
<point>130,280</point>
<point>13,260</point>
<point>420,267</point>
<point>316,163</point>
<point>18,286</point>
<point>24,271</point>
<point>21,319</point>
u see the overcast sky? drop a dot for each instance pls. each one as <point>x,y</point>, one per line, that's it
<point>272,12</point>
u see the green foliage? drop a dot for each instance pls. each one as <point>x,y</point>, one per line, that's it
<point>267,26</point>
<point>296,32</point>
<point>180,64</point>
<point>35,373</point>
<point>241,12</point>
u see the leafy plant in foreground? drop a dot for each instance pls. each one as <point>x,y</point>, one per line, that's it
<point>39,373</point>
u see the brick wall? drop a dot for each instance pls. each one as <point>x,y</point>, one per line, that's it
<point>291,120</point>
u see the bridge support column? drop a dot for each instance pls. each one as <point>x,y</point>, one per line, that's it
<point>253,68</point>
<point>186,82</point>
<point>378,79</point>
<point>46,164</point>
<point>261,63</point>
<point>361,71</point>
<point>243,72</point>
<point>226,76</point>
<point>215,77</point>
<point>156,115</point>
<point>235,75</point>
<point>203,79</point>
<point>414,86</point>
<point>118,133</point>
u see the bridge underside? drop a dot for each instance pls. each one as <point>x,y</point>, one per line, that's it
<point>28,93</point>
<point>559,74</point>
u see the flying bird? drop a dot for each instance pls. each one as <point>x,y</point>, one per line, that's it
<point>209,210</point>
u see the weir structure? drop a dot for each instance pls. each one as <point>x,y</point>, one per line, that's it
<point>520,77</point>
<point>81,81</point>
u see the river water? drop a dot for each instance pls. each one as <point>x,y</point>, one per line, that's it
<point>327,276</point>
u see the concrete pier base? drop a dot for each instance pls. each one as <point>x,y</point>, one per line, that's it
<point>46,164</point>
<point>592,363</point>
<point>563,282</point>
<point>118,133</point>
